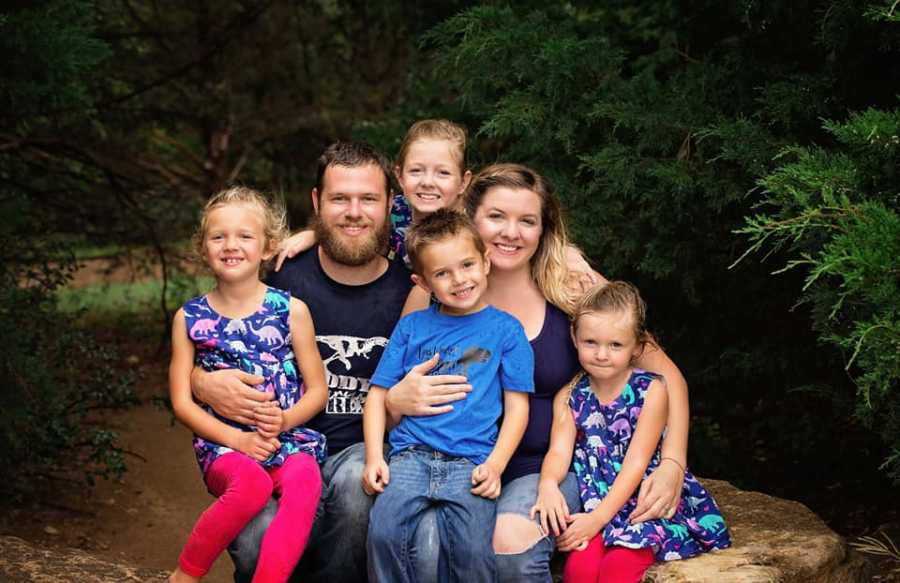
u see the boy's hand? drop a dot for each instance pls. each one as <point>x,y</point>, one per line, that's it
<point>256,446</point>
<point>376,476</point>
<point>486,481</point>
<point>582,528</point>
<point>552,507</point>
<point>269,419</point>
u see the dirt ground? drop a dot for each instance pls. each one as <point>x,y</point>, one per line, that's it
<point>145,517</point>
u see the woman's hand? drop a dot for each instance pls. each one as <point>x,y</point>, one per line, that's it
<point>551,505</point>
<point>230,392</point>
<point>583,526</point>
<point>256,446</point>
<point>296,243</point>
<point>660,493</point>
<point>269,419</point>
<point>419,393</point>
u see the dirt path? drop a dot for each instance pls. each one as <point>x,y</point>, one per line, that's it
<point>145,517</point>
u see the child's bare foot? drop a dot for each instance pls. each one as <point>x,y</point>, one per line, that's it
<point>179,576</point>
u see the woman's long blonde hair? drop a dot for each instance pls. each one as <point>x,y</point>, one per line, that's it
<point>548,265</point>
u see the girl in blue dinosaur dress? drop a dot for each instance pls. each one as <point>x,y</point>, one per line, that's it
<point>244,324</point>
<point>612,417</point>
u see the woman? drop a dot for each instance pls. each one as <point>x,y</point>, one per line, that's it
<point>519,219</point>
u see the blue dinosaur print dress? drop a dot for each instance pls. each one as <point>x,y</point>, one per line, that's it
<point>401,219</point>
<point>602,438</point>
<point>258,344</point>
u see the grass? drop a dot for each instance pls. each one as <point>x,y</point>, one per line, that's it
<point>130,298</point>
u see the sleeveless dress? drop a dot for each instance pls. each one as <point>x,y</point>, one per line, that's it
<point>401,219</point>
<point>602,438</point>
<point>259,344</point>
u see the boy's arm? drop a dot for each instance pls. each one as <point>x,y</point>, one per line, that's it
<point>661,490</point>
<point>643,445</point>
<point>312,371</point>
<point>376,474</point>
<point>486,477</point>
<point>190,414</point>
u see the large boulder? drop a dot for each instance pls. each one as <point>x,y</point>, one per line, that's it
<point>21,562</point>
<point>773,541</point>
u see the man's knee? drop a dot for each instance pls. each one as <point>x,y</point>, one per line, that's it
<point>515,534</point>
<point>244,549</point>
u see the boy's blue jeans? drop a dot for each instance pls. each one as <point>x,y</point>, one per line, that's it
<point>422,478</point>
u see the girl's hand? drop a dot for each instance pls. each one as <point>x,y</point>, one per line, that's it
<point>256,446</point>
<point>296,243</point>
<point>551,505</point>
<point>660,493</point>
<point>269,419</point>
<point>375,477</point>
<point>486,481</point>
<point>419,393</point>
<point>581,529</point>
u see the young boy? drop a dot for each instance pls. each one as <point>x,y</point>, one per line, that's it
<point>452,461</point>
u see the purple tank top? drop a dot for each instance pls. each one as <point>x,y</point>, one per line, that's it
<point>555,363</point>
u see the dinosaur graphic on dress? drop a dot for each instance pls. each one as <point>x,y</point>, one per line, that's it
<point>269,334</point>
<point>235,327</point>
<point>204,327</point>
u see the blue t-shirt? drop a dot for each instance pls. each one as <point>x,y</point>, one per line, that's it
<point>489,347</point>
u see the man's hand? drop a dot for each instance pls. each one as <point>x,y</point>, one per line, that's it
<point>269,419</point>
<point>420,394</point>
<point>376,476</point>
<point>486,481</point>
<point>256,446</point>
<point>660,493</point>
<point>230,392</point>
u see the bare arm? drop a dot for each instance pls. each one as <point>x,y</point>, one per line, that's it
<point>419,393</point>
<point>661,491</point>
<point>312,370</point>
<point>551,504</point>
<point>643,444</point>
<point>230,392</point>
<point>486,477</point>
<point>296,243</point>
<point>195,418</point>
<point>580,275</point>
<point>418,299</point>
<point>376,474</point>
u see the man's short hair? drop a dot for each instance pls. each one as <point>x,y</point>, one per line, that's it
<point>352,155</point>
<point>438,226</point>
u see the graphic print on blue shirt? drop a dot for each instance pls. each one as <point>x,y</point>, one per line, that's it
<point>489,347</point>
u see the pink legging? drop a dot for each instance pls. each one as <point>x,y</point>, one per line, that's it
<point>243,487</point>
<point>601,564</point>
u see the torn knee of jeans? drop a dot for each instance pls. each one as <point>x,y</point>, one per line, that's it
<point>514,534</point>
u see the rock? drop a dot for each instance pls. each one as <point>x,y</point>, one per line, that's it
<point>773,541</point>
<point>51,530</point>
<point>23,562</point>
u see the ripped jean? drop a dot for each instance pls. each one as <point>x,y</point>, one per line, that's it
<point>517,497</point>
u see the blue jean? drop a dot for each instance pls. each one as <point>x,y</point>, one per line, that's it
<point>420,479</point>
<point>517,497</point>
<point>336,552</point>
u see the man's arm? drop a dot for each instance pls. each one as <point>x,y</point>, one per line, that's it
<point>230,392</point>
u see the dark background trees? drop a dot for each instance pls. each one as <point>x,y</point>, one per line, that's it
<point>680,135</point>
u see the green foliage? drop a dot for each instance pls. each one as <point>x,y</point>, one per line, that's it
<point>655,122</point>
<point>836,212</point>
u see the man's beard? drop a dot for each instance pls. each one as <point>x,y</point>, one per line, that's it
<point>360,251</point>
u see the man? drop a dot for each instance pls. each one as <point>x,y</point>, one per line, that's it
<point>355,297</point>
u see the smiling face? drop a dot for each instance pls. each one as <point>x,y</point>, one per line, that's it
<point>431,175</point>
<point>351,213</point>
<point>234,243</point>
<point>606,345</point>
<point>455,272</point>
<point>509,222</point>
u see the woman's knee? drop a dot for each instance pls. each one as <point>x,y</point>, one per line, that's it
<point>515,533</point>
